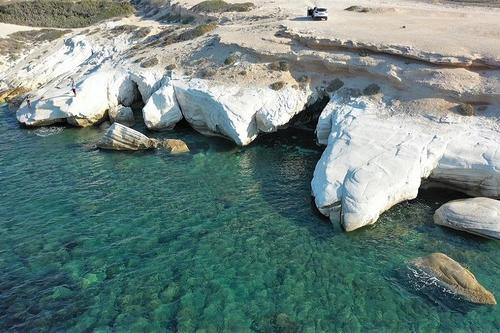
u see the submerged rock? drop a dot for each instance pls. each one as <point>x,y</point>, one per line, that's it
<point>173,146</point>
<point>122,114</point>
<point>162,111</point>
<point>376,157</point>
<point>120,137</point>
<point>480,216</point>
<point>450,275</point>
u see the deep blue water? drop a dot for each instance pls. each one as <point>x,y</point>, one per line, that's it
<point>224,239</point>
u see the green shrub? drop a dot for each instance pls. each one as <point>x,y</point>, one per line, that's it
<point>231,60</point>
<point>42,35</point>
<point>334,85</point>
<point>358,9</point>
<point>150,62</point>
<point>62,13</point>
<point>371,89</point>
<point>277,85</point>
<point>466,109</point>
<point>196,32</point>
<point>279,66</point>
<point>171,67</point>
<point>220,6</point>
<point>137,32</point>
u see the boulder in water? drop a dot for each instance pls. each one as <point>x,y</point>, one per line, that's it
<point>120,137</point>
<point>480,216</point>
<point>451,275</point>
<point>173,146</point>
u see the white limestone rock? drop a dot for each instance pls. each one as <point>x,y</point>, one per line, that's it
<point>236,112</point>
<point>480,216</point>
<point>376,158</point>
<point>122,114</point>
<point>162,112</point>
<point>97,93</point>
<point>120,137</point>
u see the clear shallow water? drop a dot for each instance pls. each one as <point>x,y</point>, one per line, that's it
<point>224,239</point>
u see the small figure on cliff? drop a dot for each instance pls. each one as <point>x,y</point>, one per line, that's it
<point>73,86</point>
<point>28,101</point>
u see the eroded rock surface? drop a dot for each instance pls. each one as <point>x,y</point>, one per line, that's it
<point>377,156</point>
<point>162,111</point>
<point>480,216</point>
<point>238,113</point>
<point>122,114</point>
<point>120,137</point>
<point>451,275</point>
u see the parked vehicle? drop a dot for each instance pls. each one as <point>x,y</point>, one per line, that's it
<point>318,13</point>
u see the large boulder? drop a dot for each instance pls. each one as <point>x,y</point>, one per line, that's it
<point>120,137</point>
<point>376,157</point>
<point>162,112</point>
<point>450,275</point>
<point>122,114</point>
<point>235,112</point>
<point>480,216</point>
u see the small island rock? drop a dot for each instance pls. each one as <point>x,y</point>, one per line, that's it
<point>452,276</point>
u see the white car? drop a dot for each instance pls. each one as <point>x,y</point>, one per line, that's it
<point>318,13</point>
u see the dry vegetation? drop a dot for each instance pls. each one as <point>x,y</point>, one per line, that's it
<point>135,31</point>
<point>61,13</point>
<point>220,6</point>
<point>15,43</point>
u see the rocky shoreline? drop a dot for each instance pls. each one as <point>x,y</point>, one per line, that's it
<point>390,122</point>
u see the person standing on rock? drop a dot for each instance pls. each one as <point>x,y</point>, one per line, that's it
<point>28,101</point>
<point>73,86</point>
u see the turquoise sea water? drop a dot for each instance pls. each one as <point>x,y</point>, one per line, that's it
<point>224,239</point>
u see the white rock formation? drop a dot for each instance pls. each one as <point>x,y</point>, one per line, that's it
<point>376,158</point>
<point>235,112</point>
<point>162,112</point>
<point>120,137</point>
<point>97,92</point>
<point>480,216</point>
<point>122,114</point>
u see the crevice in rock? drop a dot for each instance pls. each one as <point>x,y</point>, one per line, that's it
<point>307,119</point>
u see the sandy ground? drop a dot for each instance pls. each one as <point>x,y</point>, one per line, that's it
<point>418,28</point>
<point>7,29</point>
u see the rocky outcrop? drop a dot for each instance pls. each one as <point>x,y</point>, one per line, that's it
<point>235,112</point>
<point>96,94</point>
<point>162,112</point>
<point>173,146</point>
<point>107,89</point>
<point>450,275</point>
<point>122,114</point>
<point>377,156</point>
<point>120,137</point>
<point>480,216</point>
